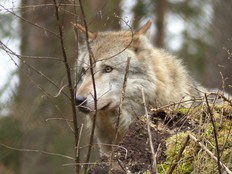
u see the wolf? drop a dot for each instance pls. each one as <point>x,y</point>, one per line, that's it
<point>162,76</point>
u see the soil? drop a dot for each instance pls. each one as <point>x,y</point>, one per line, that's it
<point>133,155</point>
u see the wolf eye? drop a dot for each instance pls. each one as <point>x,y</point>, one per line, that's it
<point>107,69</point>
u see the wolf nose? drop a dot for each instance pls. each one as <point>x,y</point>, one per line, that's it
<point>80,100</point>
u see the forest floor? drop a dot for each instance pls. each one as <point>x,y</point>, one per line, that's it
<point>181,139</point>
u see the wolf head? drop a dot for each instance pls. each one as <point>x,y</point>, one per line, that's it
<point>109,52</point>
<point>102,67</point>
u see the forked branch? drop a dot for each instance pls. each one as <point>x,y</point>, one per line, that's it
<point>70,85</point>
<point>210,154</point>
<point>214,133</point>
<point>154,163</point>
<point>91,62</point>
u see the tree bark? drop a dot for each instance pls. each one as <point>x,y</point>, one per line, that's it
<point>34,100</point>
<point>161,8</point>
<point>41,77</point>
<point>219,60</point>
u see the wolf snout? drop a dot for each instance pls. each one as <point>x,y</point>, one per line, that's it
<point>80,100</point>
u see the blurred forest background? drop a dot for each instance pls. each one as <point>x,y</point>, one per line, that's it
<point>199,31</point>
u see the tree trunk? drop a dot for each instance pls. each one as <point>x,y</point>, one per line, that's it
<point>219,72</point>
<point>161,8</point>
<point>34,100</point>
<point>139,11</point>
<point>42,74</point>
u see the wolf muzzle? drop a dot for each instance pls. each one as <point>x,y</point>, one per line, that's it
<point>80,102</point>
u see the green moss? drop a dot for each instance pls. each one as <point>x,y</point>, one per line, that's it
<point>194,159</point>
<point>147,172</point>
<point>174,144</point>
<point>184,111</point>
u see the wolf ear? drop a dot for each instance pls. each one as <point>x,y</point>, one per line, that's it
<point>144,28</point>
<point>91,35</point>
<point>136,44</point>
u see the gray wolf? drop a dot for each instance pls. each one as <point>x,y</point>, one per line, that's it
<point>162,76</point>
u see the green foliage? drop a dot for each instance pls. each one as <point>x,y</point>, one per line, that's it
<point>147,172</point>
<point>174,144</point>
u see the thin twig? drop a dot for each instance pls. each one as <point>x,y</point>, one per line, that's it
<point>214,133</point>
<point>120,109</point>
<point>210,153</point>
<point>121,165</point>
<point>40,5</point>
<point>91,61</point>
<point>29,22</point>
<point>154,163</point>
<point>79,140</point>
<point>127,46</point>
<point>39,58</point>
<point>158,149</point>
<point>110,145</point>
<point>37,151</point>
<point>122,97</point>
<point>59,92</point>
<point>70,86</point>
<point>180,102</point>
<point>62,119</point>
<point>173,166</point>
<point>10,52</point>
<point>223,97</point>
<point>81,164</point>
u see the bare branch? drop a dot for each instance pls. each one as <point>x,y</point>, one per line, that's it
<point>154,163</point>
<point>62,119</point>
<point>79,140</point>
<point>120,109</point>
<point>122,97</point>
<point>215,134</point>
<point>91,61</point>
<point>37,151</point>
<point>70,86</point>
<point>210,154</point>
<point>61,89</point>
<point>29,22</point>
<point>10,52</point>
<point>111,145</point>
<point>173,166</point>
